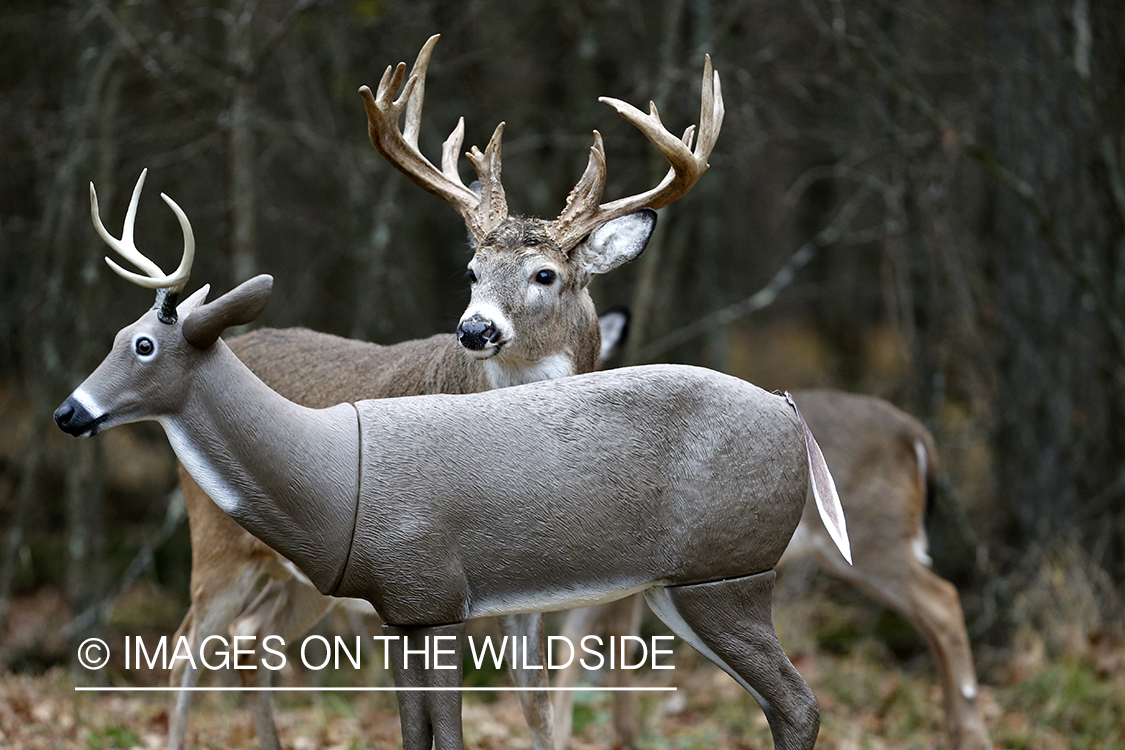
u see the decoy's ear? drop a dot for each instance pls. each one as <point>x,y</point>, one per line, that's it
<point>204,324</point>
<point>197,298</point>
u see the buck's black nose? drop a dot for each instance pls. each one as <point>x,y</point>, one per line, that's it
<point>476,332</point>
<point>73,418</point>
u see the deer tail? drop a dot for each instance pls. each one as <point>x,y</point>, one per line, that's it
<point>824,489</point>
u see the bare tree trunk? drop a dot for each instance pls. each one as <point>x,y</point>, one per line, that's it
<point>14,539</point>
<point>371,313</point>
<point>241,148</point>
<point>1058,440</point>
<point>85,486</point>
<point>59,329</point>
<point>652,262</point>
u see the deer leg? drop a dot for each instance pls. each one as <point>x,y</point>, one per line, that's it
<point>429,718</point>
<point>526,631</point>
<point>185,676</point>
<point>731,623</point>
<point>261,706</point>
<point>578,624</point>
<point>931,604</point>
<point>623,617</point>
<point>212,609</point>
<point>284,608</point>
<point>181,705</point>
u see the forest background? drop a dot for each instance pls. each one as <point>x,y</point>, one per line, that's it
<point>931,195</point>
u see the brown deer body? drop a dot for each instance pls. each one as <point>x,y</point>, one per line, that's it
<point>885,481</point>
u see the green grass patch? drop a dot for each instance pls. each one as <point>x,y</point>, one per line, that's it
<point>1071,698</point>
<point>114,736</point>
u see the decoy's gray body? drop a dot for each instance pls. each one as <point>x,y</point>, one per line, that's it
<point>441,508</point>
<point>570,492</point>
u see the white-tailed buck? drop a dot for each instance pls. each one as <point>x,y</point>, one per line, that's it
<point>679,482</point>
<point>530,318</point>
<point>884,462</point>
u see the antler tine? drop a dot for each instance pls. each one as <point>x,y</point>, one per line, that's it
<point>687,165</point>
<point>493,207</point>
<point>400,148</point>
<point>711,111</point>
<point>127,249</point>
<point>450,149</point>
<point>179,278</point>
<point>125,246</point>
<point>588,191</point>
<point>414,101</point>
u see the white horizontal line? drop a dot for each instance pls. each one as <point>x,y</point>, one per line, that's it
<point>370,689</point>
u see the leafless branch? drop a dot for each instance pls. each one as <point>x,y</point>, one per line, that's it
<point>278,34</point>
<point>128,41</point>
<point>764,297</point>
<point>832,234</point>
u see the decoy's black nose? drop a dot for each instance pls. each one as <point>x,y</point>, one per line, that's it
<point>64,414</point>
<point>476,332</point>
<point>72,418</point>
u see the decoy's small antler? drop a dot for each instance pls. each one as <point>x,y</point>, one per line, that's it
<point>170,284</point>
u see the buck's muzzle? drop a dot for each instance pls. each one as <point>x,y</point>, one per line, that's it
<point>476,332</point>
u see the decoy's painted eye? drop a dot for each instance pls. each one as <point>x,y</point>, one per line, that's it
<point>546,277</point>
<point>144,346</point>
<point>471,276</point>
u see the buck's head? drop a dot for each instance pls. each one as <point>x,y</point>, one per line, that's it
<point>148,373</point>
<point>529,297</point>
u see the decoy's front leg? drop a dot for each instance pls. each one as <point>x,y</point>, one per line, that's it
<point>428,657</point>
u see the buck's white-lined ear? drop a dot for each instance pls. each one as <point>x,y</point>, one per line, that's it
<point>197,298</point>
<point>617,241</point>
<point>244,303</point>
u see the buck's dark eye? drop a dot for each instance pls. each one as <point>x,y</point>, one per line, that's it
<point>546,277</point>
<point>471,276</point>
<point>144,346</point>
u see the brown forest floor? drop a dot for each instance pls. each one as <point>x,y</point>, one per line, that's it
<point>871,697</point>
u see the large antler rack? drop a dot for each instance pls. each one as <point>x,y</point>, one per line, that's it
<point>482,213</point>
<point>584,211</point>
<point>170,285</point>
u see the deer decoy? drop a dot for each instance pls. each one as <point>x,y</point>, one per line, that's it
<point>530,318</point>
<point>677,481</point>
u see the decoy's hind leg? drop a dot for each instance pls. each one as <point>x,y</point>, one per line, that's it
<point>731,623</point>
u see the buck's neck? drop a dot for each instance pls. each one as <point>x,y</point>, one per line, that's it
<point>285,473</point>
<point>503,373</point>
